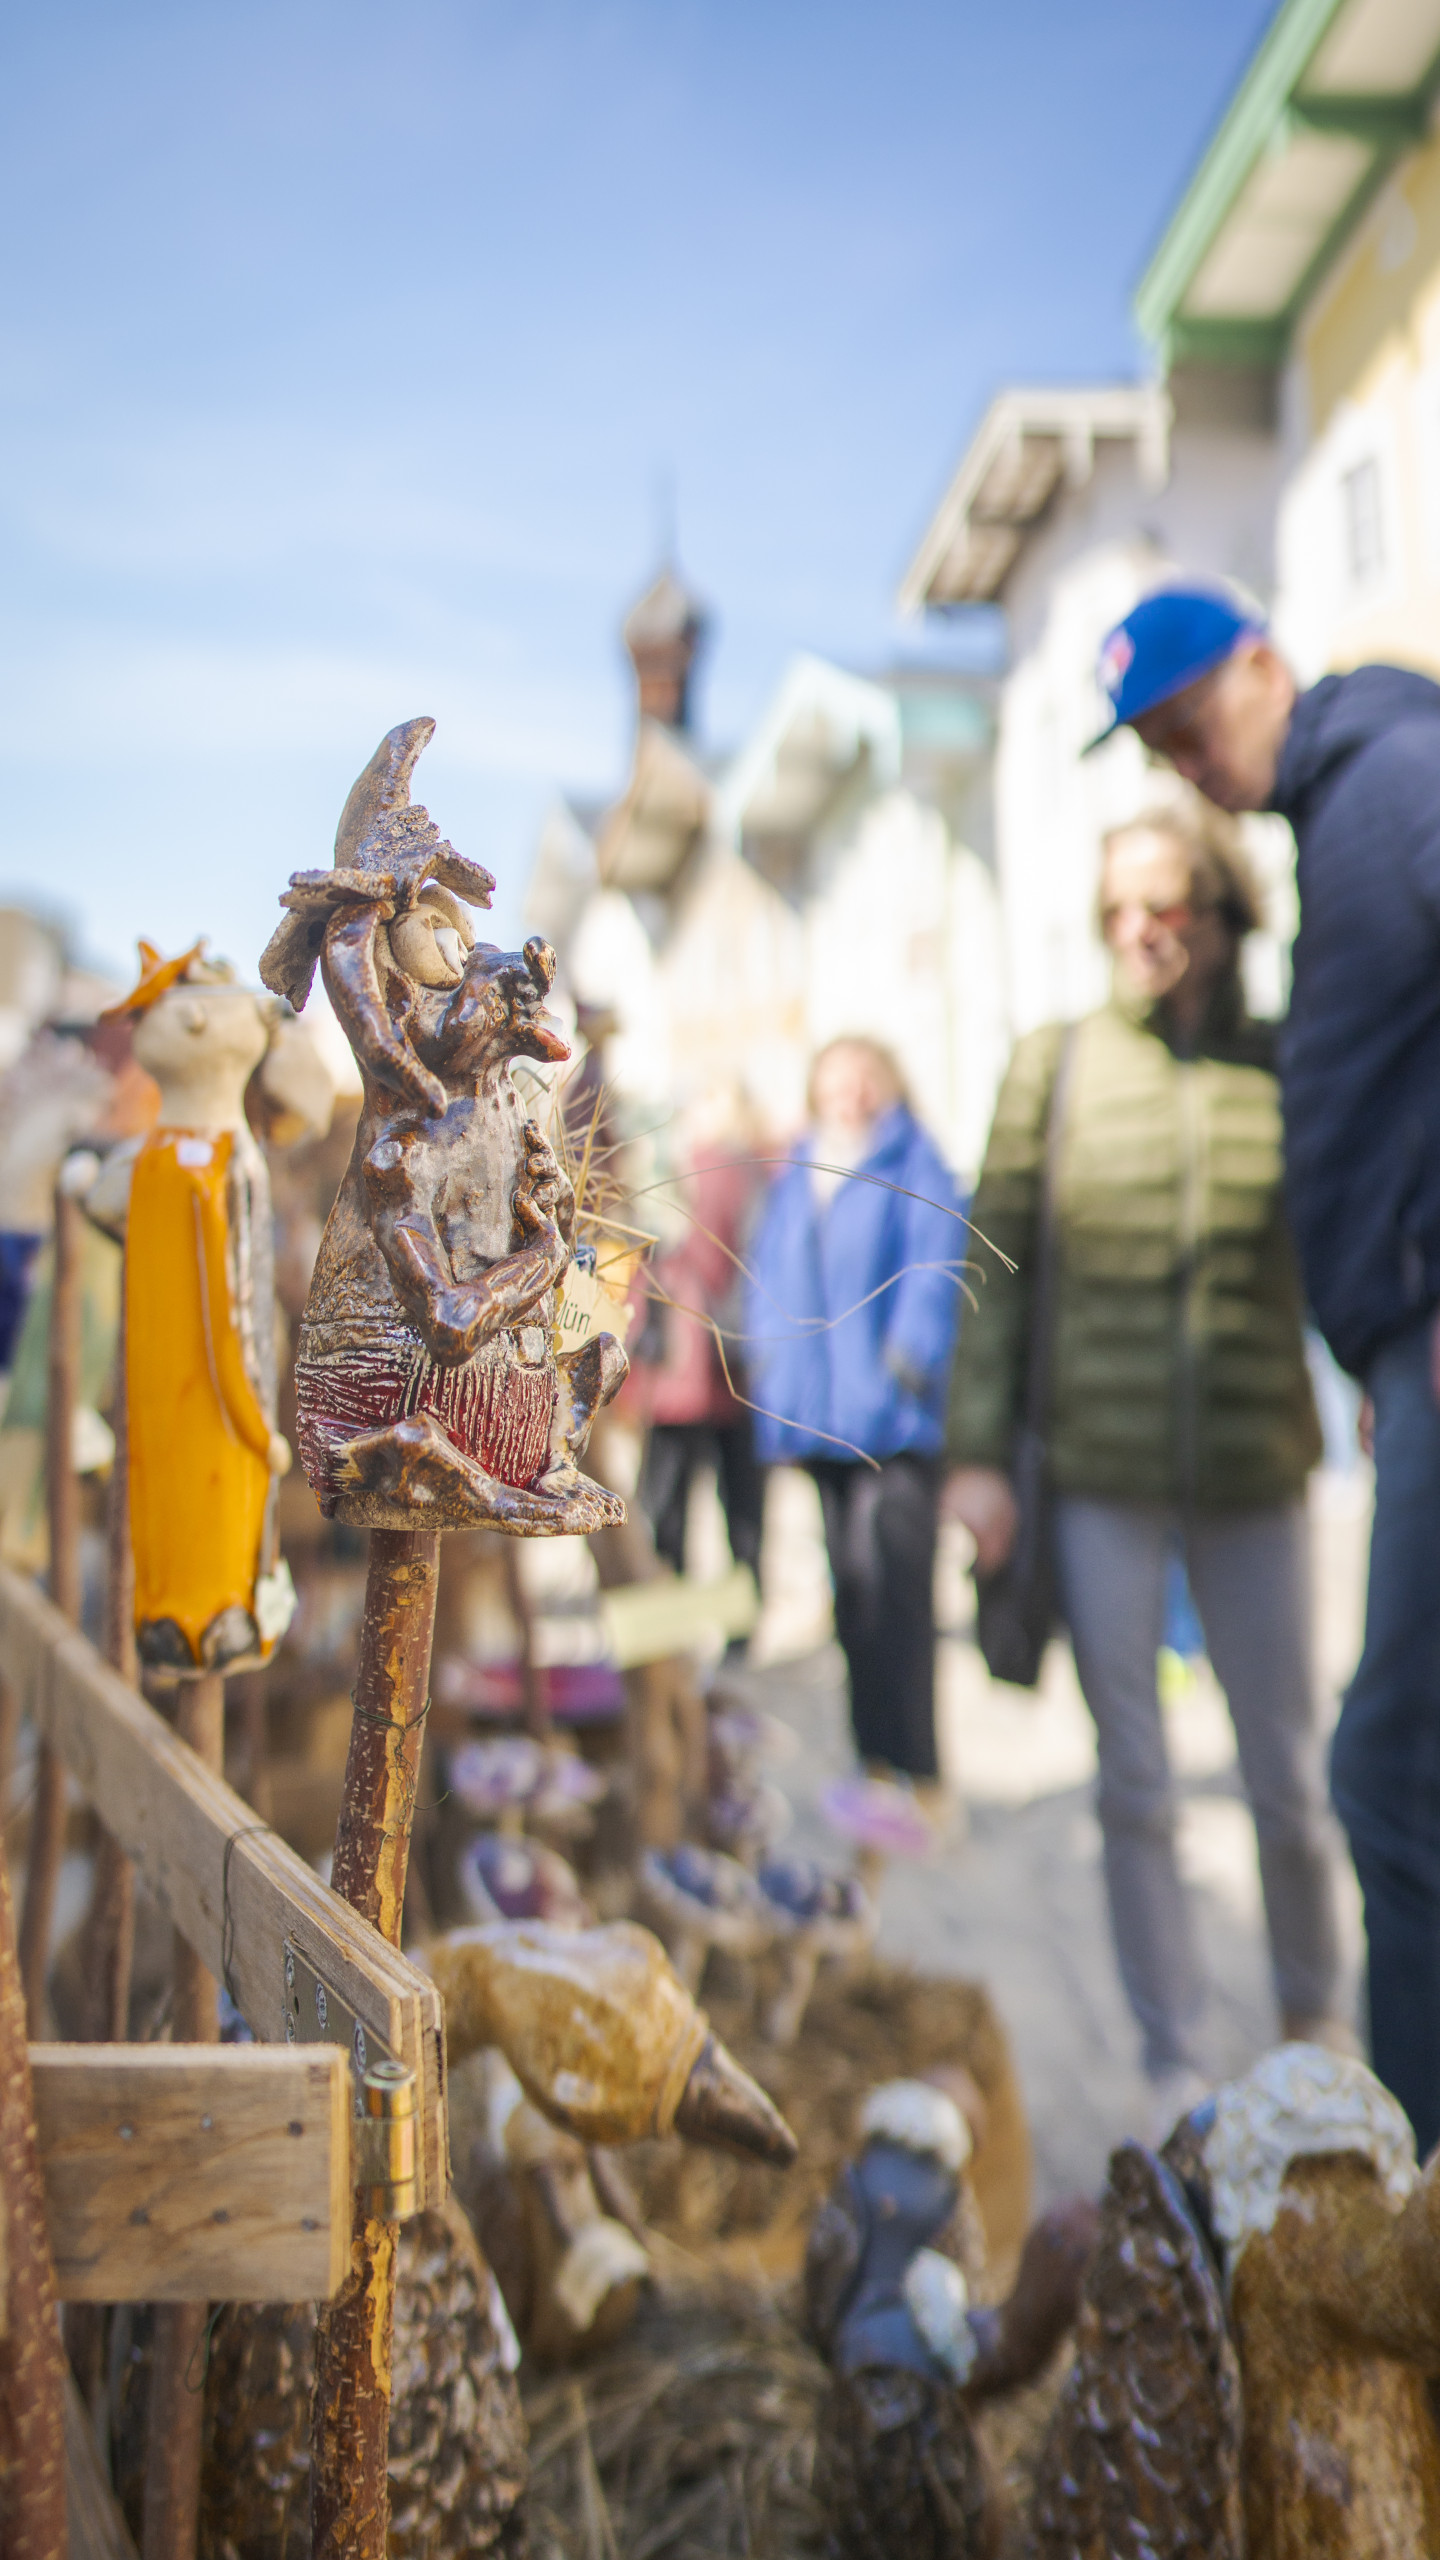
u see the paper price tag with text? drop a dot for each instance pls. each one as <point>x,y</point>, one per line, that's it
<point>588,1307</point>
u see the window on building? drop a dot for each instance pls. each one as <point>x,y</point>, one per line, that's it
<point>1364,525</point>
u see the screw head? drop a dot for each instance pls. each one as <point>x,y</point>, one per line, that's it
<point>322,2006</point>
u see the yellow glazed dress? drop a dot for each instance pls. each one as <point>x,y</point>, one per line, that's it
<point>200,1480</point>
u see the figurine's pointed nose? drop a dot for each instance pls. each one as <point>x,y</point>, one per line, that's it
<point>723,2107</point>
<point>540,961</point>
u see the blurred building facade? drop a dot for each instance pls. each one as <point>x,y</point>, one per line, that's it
<point>834,874</point>
<point>1306,252</point>
<point>1066,506</point>
<point>1289,442</point>
<point>917,854</point>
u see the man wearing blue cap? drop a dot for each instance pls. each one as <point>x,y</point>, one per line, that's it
<point>1354,764</point>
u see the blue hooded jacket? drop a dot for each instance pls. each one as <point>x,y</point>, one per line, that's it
<point>1359,781</point>
<point>877,1378</point>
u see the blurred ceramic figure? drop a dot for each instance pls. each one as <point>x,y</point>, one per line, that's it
<point>193,1202</point>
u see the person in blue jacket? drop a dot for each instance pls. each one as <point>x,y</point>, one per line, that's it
<point>850,1325</point>
<point>1354,764</point>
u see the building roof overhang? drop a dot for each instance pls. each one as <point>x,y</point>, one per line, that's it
<point>1338,91</point>
<point>1027,445</point>
<point>821,729</point>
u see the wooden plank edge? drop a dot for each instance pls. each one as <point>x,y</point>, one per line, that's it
<point>62,1682</point>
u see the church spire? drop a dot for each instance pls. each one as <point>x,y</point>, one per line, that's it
<point>663,633</point>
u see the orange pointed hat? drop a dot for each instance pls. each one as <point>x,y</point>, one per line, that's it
<point>156,977</point>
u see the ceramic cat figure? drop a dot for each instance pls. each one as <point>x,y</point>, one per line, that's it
<point>429,1393</point>
<point>192,1201</point>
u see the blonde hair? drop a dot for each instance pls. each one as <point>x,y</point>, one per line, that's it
<point>1222,877</point>
<point>881,1058</point>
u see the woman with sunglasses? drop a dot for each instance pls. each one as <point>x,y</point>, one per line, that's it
<point>1180,1416</point>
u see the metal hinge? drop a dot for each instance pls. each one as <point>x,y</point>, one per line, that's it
<point>384,2113</point>
<point>382,2146</point>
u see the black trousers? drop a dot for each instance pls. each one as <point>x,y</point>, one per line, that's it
<point>880,1536</point>
<point>674,1455</point>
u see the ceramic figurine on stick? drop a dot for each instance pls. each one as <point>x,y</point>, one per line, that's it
<point>428,1391</point>
<point>427,1384</point>
<point>192,1201</point>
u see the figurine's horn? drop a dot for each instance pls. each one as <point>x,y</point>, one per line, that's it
<point>724,2108</point>
<point>383,788</point>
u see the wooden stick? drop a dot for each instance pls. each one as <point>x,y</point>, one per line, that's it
<point>249,1689</point>
<point>62,1496</point>
<point>533,1687</point>
<point>176,2424</point>
<point>32,2368</point>
<point>97,2528</point>
<point>200,1721</point>
<point>109,1939</point>
<point>349,2488</point>
<point>9,1736</point>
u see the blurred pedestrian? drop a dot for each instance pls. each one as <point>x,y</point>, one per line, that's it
<point>696,1418</point>
<point>1354,764</point>
<point>1180,1408</point>
<point>851,1325</point>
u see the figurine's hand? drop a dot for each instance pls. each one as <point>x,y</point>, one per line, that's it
<point>281,1455</point>
<point>544,1198</point>
<point>460,1320</point>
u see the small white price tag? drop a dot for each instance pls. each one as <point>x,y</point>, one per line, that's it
<point>587,1307</point>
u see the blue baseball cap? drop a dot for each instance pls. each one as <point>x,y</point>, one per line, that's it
<point>1168,640</point>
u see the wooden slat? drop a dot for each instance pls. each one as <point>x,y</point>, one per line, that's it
<point>178,1821</point>
<point>98,2530</point>
<point>195,2173</point>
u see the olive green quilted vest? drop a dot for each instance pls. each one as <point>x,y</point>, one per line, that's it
<point>1179,1369</point>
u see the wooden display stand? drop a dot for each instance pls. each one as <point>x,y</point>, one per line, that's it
<point>302,1967</point>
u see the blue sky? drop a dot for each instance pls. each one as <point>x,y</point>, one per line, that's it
<point>346,348</point>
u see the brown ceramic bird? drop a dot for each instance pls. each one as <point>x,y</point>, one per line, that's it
<point>559,2226</point>
<point>894,2253</point>
<point>458,2461</point>
<point>1301,2426</point>
<point>602,2035</point>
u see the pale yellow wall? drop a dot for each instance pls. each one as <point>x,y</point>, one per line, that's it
<point>1367,368</point>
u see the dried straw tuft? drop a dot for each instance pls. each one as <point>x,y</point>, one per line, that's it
<point>692,2439</point>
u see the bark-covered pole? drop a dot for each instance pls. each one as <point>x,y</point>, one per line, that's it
<point>108,1939</point>
<point>32,2368</point>
<point>349,2494</point>
<point>176,2419</point>
<point>429,1390</point>
<point>109,1942</point>
<point>62,1497</point>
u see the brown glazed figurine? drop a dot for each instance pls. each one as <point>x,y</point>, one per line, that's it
<point>1300,2427</point>
<point>602,2035</point>
<point>558,2225</point>
<point>895,2254</point>
<point>429,1393</point>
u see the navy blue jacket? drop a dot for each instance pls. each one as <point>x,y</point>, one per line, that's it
<point>877,1378</point>
<point>1359,781</point>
